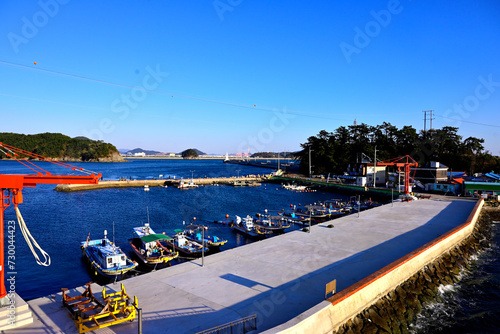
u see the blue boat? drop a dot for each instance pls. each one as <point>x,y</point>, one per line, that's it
<point>213,242</point>
<point>186,246</point>
<point>106,258</point>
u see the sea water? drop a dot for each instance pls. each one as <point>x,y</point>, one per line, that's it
<point>59,221</point>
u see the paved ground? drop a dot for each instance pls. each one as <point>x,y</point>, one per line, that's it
<point>277,279</point>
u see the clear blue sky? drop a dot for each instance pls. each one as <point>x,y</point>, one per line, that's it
<point>233,75</point>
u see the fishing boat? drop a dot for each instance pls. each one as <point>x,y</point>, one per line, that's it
<point>106,258</point>
<point>294,187</point>
<point>292,217</point>
<point>185,246</point>
<point>149,248</point>
<point>183,185</point>
<point>275,224</point>
<point>198,232</point>
<point>246,226</point>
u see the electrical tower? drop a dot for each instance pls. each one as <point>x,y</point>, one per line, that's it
<point>430,119</point>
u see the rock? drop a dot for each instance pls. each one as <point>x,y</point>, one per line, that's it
<point>413,302</point>
<point>448,280</point>
<point>370,328</point>
<point>379,320</point>
<point>357,324</point>
<point>427,277</point>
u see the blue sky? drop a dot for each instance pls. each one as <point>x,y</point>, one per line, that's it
<point>237,75</point>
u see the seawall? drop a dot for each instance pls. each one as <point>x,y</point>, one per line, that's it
<point>328,316</point>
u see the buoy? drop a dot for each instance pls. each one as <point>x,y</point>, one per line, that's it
<point>227,215</point>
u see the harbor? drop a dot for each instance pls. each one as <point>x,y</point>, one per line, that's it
<point>280,280</point>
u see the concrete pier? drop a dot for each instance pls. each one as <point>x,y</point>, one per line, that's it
<point>280,279</point>
<point>155,183</point>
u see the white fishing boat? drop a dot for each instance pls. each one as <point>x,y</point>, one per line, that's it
<point>106,258</point>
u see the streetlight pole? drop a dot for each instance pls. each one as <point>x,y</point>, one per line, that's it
<point>202,245</point>
<point>359,204</point>
<point>192,172</point>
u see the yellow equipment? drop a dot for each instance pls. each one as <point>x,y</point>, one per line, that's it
<point>90,313</point>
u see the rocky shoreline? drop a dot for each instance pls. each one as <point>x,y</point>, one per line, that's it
<point>395,312</point>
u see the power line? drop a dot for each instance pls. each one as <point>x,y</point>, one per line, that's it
<point>464,121</point>
<point>247,106</point>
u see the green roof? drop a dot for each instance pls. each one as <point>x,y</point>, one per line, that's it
<point>155,237</point>
<point>487,186</point>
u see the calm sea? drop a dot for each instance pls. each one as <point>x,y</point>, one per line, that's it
<point>60,221</point>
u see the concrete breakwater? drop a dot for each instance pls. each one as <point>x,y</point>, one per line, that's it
<point>396,311</point>
<point>157,183</point>
<point>351,306</point>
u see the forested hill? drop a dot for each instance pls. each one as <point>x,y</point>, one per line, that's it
<point>332,152</point>
<point>61,147</point>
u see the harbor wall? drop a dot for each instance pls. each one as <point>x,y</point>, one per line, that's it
<point>155,183</point>
<point>329,315</point>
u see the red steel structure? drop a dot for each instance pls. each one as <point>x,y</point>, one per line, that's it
<point>11,186</point>
<point>405,162</point>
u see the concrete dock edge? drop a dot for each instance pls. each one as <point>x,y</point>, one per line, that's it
<point>329,315</point>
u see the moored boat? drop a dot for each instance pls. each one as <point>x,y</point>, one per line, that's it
<point>194,233</point>
<point>185,246</point>
<point>106,258</point>
<point>275,224</point>
<point>149,248</point>
<point>183,185</point>
<point>246,226</point>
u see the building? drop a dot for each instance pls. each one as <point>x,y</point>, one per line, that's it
<point>365,173</point>
<point>435,173</point>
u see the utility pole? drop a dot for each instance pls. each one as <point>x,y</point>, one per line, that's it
<point>375,168</point>
<point>425,120</point>
<point>310,172</point>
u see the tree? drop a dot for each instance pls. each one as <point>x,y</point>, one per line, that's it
<point>59,146</point>
<point>189,154</point>
<point>332,152</point>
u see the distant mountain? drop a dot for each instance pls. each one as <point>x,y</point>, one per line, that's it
<point>196,150</point>
<point>123,150</point>
<point>139,150</point>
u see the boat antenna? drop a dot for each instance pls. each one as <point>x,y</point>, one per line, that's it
<point>147,210</point>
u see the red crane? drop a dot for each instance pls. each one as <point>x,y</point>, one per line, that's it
<point>405,162</point>
<point>11,186</point>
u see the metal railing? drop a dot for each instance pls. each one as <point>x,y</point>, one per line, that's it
<point>241,326</point>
